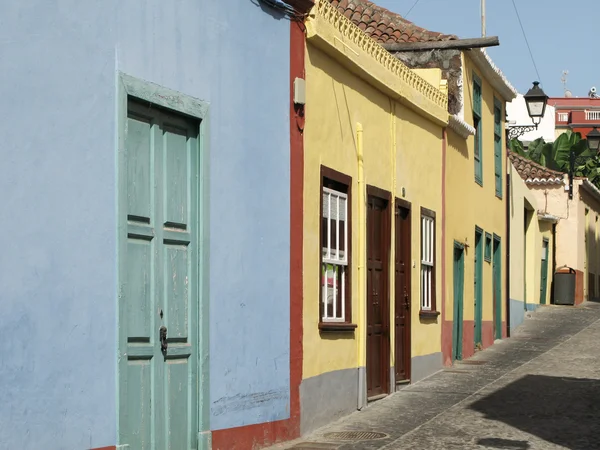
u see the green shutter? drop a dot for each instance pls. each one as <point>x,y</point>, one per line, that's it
<point>498,147</point>
<point>476,95</point>
<point>478,148</point>
<point>498,164</point>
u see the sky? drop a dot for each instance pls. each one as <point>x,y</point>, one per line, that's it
<point>556,44</point>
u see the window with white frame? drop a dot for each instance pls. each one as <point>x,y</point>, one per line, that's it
<point>427,260</point>
<point>335,249</point>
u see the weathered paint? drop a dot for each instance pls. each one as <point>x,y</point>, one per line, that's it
<point>264,434</point>
<point>338,100</point>
<point>469,205</point>
<point>59,263</point>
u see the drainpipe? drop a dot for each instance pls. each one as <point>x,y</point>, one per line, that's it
<point>362,303</point>
<point>507,243</point>
<point>392,335</point>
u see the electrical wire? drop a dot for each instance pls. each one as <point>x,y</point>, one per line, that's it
<point>527,42</point>
<point>411,8</point>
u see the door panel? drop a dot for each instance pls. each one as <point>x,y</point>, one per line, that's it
<point>402,273</point>
<point>459,275</point>
<point>159,273</point>
<point>478,285</point>
<point>497,286</point>
<point>377,296</point>
<point>544,274</point>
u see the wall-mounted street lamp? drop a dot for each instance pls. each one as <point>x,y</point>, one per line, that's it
<point>536,101</point>
<point>593,141</point>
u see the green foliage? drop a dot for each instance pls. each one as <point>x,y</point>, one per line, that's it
<point>556,155</point>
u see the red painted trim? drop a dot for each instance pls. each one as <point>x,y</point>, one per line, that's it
<point>297,52</point>
<point>265,434</point>
<point>253,436</point>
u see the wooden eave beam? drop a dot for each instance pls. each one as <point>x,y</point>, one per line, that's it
<point>301,6</point>
<point>455,44</point>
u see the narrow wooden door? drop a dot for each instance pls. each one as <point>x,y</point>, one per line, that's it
<point>478,285</point>
<point>402,293</point>
<point>497,286</point>
<point>378,361</point>
<point>158,304</point>
<point>544,274</point>
<point>459,283</point>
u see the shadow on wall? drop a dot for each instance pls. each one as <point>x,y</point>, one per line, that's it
<point>560,410</point>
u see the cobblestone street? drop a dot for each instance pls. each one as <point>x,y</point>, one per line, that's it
<point>540,389</point>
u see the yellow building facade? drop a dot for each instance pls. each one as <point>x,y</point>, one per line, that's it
<point>577,232</point>
<point>475,212</point>
<point>373,147</point>
<point>532,236</point>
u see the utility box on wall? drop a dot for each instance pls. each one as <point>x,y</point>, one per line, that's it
<point>564,286</point>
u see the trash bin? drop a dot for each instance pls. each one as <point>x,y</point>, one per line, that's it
<point>564,286</point>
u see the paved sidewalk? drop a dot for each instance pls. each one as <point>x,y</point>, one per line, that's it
<point>540,389</point>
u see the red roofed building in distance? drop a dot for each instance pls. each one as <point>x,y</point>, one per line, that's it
<point>579,114</point>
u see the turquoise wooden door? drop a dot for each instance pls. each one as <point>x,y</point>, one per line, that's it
<point>544,274</point>
<point>459,277</point>
<point>478,284</point>
<point>497,286</point>
<point>158,273</point>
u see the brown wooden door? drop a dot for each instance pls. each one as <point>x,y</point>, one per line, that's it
<point>402,293</point>
<point>378,361</point>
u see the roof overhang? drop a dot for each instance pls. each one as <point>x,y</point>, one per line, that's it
<point>588,186</point>
<point>545,217</point>
<point>545,181</point>
<point>340,38</point>
<point>460,127</point>
<point>492,74</point>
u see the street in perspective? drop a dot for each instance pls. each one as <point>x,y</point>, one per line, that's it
<point>539,389</point>
<point>299,224</point>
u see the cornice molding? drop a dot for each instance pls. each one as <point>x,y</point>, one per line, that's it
<point>460,127</point>
<point>493,74</point>
<point>336,35</point>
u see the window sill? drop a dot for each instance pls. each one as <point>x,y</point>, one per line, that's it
<point>479,182</point>
<point>334,327</point>
<point>428,314</point>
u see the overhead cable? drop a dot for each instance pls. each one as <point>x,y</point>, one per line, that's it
<point>527,42</point>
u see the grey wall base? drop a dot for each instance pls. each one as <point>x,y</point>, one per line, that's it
<point>328,397</point>
<point>517,313</point>
<point>423,366</point>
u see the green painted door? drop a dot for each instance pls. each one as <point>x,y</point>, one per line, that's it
<point>158,275</point>
<point>497,286</point>
<point>478,284</point>
<point>459,277</point>
<point>544,274</point>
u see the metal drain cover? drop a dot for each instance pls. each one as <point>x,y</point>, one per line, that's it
<point>473,362</point>
<point>354,435</point>
<point>315,446</point>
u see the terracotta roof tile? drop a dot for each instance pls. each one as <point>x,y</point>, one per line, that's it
<point>392,27</point>
<point>534,172</point>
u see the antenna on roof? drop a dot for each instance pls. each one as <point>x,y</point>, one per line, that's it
<point>563,80</point>
<point>482,18</point>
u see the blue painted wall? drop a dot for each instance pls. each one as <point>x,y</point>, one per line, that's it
<point>517,313</point>
<point>58,214</point>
